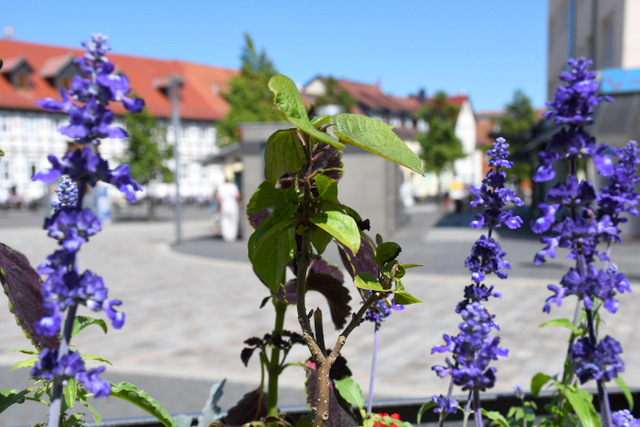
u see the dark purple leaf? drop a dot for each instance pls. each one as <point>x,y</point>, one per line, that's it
<point>321,266</point>
<point>23,287</point>
<point>335,292</point>
<point>246,354</point>
<point>362,262</point>
<point>252,407</point>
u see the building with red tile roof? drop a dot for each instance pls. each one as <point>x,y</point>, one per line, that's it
<point>401,112</point>
<point>32,72</point>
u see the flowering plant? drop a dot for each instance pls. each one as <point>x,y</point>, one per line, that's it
<point>53,321</point>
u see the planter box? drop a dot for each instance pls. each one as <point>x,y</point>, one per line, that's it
<point>408,409</point>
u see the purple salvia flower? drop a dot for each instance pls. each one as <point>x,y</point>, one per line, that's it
<point>64,288</point>
<point>624,418</point>
<point>596,362</point>
<point>448,406</point>
<point>473,349</point>
<point>380,310</point>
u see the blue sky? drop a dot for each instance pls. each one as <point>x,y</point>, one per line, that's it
<point>485,49</point>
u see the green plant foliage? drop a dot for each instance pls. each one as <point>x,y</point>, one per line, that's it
<point>350,391</point>
<point>132,394</point>
<point>81,322</point>
<point>581,402</point>
<point>9,397</point>
<point>341,226</point>
<point>271,247</point>
<point>376,137</point>
<point>564,323</point>
<point>283,154</point>
<point>289,104</point>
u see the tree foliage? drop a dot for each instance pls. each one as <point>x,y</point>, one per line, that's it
<point>249,96</point>
<point>440,147</point>
<point>515,126</point>
<point>147,151</point>
<point>336,95</point>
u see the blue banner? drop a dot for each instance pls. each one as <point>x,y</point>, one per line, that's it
<point>618,80</point>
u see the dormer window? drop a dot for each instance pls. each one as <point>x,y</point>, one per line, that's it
<point>18,72</point>
<point>59,71</point>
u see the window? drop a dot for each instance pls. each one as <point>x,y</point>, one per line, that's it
<point>22,81</point>
<point>64,82</point>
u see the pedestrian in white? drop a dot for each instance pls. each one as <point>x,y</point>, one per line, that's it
<point>228,196</point>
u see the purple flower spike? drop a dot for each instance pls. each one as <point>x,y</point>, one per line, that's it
<point>473,349</point>
<point>448,406</point>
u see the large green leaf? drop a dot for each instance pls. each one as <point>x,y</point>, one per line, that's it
<point>404,298</point>
<point>625,391</point>
<point>376,137</point>
<point>271,247</point>
<point>350,391</point>
<point>538,381</point>
<point>341,226</point>
<point>291,107</point>
<point>367,281</point>
<point>581,402</point>
<point>142,400</point>
<point>9,397</point>
<point>283,154</point>
<point>70,392</point>
<point>327,188</point>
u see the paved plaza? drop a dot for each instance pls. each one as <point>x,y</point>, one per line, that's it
<point>190,306</point>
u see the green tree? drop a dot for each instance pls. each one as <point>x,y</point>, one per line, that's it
<point>336,95</point>
<point>249,96</point>
<point>515,126</point>
<point>440,147</point>
<point>147,152</point>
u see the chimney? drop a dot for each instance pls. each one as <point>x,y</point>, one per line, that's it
<point>8,33</point>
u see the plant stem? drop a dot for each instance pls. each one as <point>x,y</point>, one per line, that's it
<point>477,408</point>
<point>274,364</point>
<point>56,391</point>
<point>376,338</point>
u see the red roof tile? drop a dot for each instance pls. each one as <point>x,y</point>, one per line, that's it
<point>201,94</point>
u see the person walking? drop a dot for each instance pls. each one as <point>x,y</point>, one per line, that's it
<point>227,198</point>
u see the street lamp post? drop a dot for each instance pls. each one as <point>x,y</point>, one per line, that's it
<point>175,83</point>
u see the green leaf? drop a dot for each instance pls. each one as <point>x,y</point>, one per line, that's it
<point>341,226</point>
<point>81,322</point>
<point>271,247</point>
<point>9,397</point>
<point>1,153</point>
<point>581,402</point>
<point>132,394</point>
<point>350,391</point>
<point>291,107</point>
<point>320,240</point>
<point>265,197</point>
<point>565,323</point>
<point>283,154</point>
<point>625,390</point>
<point>96,415</point>
<point>70,392</point>
<point>376,137</point>
<point>327,188</point>
<point>367,281</point>
<point>94,357</point>
<point>424,408</point>
<point>538,381</point>
<point>305,421</point>
<point>385,252</point>
<point>25,363</point>
<point>404,298</point>
<point>318,121</point>
<point>496,417</point>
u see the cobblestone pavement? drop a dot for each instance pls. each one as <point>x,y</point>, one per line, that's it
<point>189,308</point>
